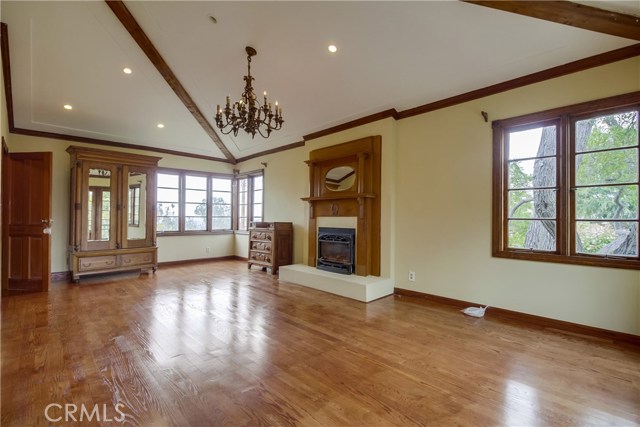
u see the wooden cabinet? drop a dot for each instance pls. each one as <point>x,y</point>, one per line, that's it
<point>113,219</point>
<point>270,244</point>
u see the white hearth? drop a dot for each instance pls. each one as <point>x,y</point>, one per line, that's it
<point>361,288</point>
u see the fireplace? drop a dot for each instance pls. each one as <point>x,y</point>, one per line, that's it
<point>336,249</point>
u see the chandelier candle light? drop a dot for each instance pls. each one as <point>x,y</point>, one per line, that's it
<point>247,113</point>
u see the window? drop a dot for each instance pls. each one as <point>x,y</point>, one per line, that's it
<point>250,199</point>
<point>566,184</point>
<point>257,198</point>
<point>221,199</point>
<point>243,204</point>
<point>199,202</point>
<point>168,212</point>
<point>195,206</point>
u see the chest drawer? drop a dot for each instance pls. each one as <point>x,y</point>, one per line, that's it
<point>261,246</point>
<point>261,235</point>
<point>96,263</point>
<point>136,259</point>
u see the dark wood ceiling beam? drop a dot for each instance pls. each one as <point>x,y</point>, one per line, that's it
<point>573,14</point>
<point>131,25</point>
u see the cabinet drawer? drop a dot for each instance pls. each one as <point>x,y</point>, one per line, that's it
<point>261,246</point>
<point>136,259</point>
<point>259,256</point>
<point>261,235</point>
<point>96,263</point>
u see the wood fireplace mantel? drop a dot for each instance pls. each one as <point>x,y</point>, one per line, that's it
<point>361,200</point>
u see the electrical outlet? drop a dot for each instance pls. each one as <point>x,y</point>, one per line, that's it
<point>207,249</point>
<point>412,276</point>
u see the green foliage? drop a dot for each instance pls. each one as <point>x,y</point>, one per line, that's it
<point>518,232</point>
<point>517,177</point>
<point>604,166</point>
<point>609,167</point>
<point>595,236</point>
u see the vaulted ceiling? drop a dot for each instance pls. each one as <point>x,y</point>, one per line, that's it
<point>391,55</point>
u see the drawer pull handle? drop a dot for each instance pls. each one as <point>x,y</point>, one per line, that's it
<point>127,260</point>
<point>86,264</point>
<point>109,262</point>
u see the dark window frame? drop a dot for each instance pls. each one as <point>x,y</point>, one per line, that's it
<point>565,117</point>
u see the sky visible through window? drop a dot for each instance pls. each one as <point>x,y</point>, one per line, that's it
<point>525,144</point>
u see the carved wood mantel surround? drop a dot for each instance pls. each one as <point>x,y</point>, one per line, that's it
<point>362,200</point>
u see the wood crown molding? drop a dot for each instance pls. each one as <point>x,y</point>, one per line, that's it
<point>272,151</point>
<point>540,76</point>
<point>529,79</point>
<point>137,33</point>
<point>529,319</point>
<point>74,138</point>
<point>353,123</point>
<point>572,14</point>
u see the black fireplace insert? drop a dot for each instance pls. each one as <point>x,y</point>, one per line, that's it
<point>336,250</point>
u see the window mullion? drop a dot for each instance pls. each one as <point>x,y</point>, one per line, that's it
<point>564,195</point>
<point>209,205</point>
<point>234,203</point>
<point>249,200</point>
<point>505,188</point>
<point>181,202</point>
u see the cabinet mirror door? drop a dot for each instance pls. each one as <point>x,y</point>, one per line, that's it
<point>137,205</point>
<point>99,202</point>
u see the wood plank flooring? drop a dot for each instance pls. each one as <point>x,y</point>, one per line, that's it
<point>218,345</point>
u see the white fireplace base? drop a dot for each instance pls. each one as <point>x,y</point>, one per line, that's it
<point>360,288</point>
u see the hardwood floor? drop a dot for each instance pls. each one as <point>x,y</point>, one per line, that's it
<point>216,344</point>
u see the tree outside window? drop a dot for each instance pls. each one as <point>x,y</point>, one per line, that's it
<point>566,185</point>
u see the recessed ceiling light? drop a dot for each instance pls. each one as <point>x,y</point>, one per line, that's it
<point>332,48</point>
<point>68,107</point>
<point>160,125</point>
<point>127,70</point>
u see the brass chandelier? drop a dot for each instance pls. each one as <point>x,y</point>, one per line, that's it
<point>247,113</point>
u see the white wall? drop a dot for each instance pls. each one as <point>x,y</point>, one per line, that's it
<point>444,210</point>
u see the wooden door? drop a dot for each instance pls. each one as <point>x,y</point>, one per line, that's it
<point>26,199</point>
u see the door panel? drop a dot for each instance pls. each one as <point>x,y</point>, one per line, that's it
<point>26,182</point>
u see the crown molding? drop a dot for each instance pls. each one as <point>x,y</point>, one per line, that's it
<point>74,138</point>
